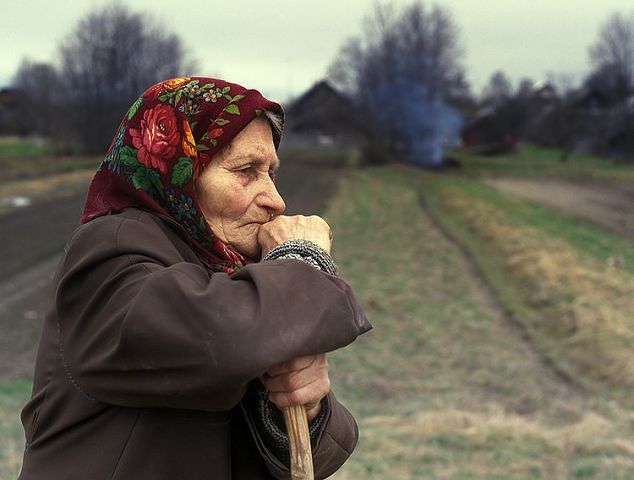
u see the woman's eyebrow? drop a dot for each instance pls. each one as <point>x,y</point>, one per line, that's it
<point>256,159</point>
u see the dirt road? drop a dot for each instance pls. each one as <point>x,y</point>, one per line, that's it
<point>34,237</point>
<point>608,204</point>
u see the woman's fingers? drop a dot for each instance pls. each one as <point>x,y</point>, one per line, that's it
<point>309,395</point>
<point>284,379</point>
<point>297,227</point>
<point>302,381</point>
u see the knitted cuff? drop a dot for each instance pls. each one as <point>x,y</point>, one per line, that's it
<point>306,251</point>
<point>272,427</point>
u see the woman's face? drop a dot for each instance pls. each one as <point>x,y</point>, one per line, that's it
<point>236,192</point>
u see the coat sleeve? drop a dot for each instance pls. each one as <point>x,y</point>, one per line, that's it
<point>137,330</point>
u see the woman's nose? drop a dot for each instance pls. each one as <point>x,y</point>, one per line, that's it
<point>271,198</point>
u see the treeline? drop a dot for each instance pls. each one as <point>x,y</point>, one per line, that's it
<point>596,116</point>
<point>110,57</point>
<point>404,74</point>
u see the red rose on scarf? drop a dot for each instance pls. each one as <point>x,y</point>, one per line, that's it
<point>157,138</point>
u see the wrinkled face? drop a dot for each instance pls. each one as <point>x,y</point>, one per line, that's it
<point>236,192</point>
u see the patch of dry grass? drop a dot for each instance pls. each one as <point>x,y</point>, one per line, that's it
<point>585,306</point>
<point>21,167</point>
<point>44,189</point>
<point>48,186</point>
<point>457,444</point>
<point>442,388</point>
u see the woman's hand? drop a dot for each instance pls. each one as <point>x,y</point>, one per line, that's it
<point>296,227</point>
<point>302,381</point>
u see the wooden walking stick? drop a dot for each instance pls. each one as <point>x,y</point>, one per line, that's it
<point>299,442</point>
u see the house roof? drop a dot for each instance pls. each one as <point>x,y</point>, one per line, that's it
<point>322,107</point>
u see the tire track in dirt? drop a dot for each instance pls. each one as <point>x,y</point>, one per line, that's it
<point>566,385</point>
<point>33,234</point>
<point>32,239</point>
<point>604,203</point>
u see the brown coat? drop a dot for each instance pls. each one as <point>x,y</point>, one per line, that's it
<point>145,359</point>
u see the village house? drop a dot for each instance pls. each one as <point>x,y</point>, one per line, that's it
<point>323,116</point>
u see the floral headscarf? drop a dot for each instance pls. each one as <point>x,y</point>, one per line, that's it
<point>168,136</point>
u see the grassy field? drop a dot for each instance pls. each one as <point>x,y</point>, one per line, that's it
<point>24,158</point>
<point>531,160</point>
<point>450,385</point>
<point>13,395</point>
<point>30,169</point>
<point>559,275</point>
<point>443,388</point>
<point>20,147</point>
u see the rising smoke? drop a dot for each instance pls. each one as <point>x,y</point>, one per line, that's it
<point>422,125</point>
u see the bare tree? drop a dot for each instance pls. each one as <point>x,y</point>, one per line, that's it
<point>402,70</point>
<point>37,108</point>
<point>565,84</point>
<point>107,61</point>
<point>613,56</point>
<point>498,91</point>
<point>504,114</point>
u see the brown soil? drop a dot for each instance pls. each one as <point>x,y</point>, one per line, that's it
<point>608,204</point>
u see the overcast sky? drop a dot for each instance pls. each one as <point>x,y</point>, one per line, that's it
<point>283,46</point>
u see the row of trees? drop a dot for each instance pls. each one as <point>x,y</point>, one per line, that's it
<point>104,64</point>
<point>405,70</point>
<point>598,115</point>
<point>612,72</point>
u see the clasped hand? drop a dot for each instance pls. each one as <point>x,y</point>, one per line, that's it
<point>296,227</point>
<point>301,381</point>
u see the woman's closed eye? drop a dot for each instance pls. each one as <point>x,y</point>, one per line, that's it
<point>248,171</point>
<point>252,171</point>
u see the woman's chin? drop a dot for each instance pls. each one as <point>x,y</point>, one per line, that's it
<point>250,250</point>
<point>243,240</point>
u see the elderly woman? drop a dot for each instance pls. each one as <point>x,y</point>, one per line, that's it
<point>170,346</point>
